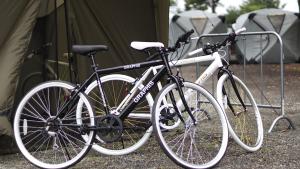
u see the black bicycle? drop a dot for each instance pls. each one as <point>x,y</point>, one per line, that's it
<point>53,131</point>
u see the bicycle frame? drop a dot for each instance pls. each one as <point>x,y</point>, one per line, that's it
<point>128,106</point>
<point>217,63</point>
<point>154,67</point>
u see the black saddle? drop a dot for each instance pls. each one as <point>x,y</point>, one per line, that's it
<point>88,49</point>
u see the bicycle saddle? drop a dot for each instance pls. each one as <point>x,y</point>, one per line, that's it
<point>88,49</point>
<point>143,45</point>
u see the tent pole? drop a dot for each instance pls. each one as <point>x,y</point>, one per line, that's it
<point>68,39</point>
<point>56,39</point>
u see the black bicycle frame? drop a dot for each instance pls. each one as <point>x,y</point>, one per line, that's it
<point>98,72</point>
<point>126,111</point>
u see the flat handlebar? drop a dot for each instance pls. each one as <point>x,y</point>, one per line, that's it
<point>182,39</point>
<point>230,39</point>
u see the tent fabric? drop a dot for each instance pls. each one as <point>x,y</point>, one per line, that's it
<point>5,127</point>
<point>94,22</point>
<point>202,23</point>
<point>18,18</point>
<point>32,23</point>
<point>285,23</point>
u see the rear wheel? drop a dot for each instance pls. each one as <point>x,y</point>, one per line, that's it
<point>200,145</point>
<point>137,126</point>
<point>48,140</point>
<point>245,125</point>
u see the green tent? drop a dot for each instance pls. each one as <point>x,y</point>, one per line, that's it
<point>29,24</point>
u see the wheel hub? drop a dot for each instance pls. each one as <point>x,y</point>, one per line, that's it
<point>53,125</point>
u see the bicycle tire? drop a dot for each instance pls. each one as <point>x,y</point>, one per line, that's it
<point>131,140</point>
<point>45,141</point>
<point>248,133</point>
<point>195,146</point>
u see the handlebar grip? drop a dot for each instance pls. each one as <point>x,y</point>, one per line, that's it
<point>239,31</point>
<point>184,37</point>
<point>195,52</point>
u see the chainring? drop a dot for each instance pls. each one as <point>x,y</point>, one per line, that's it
<point>111,128</point>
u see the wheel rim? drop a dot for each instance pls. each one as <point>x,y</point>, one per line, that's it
<point>40,137</point>
<point>137,128</point>
<point>246,126</point>
<point>208,144</point>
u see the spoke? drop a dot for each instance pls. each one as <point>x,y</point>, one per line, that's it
<point>120,93</point>
<point>32,127</point>
<point>131,122</point>
<point>77,132</point>
<point>75,138</point>
<point>58,100</point>
<point>40,144</point>
<point>201,116</point>
<point>35,117</point>
<point>97,100</point>
<point>179,137</point>
<point>33,121</point>
<point>69,114</point>
<point>141,108</point>
<point>32,139</point>
<point>130,136</point>
<point>49,104</point>
<point>47,147</point>
<point>92,93</point>
<point>83,118</point>
<point>181,147</point>
<point>32,113</point>
<point>43,106</point>
<point>63,150</point>
<point>62,105</point>
<point>31,133</point>
<point>71,143</point>
<point>198,153</point>
<point>114,96</point>
<point>43,99</point>
<point>190,153</point>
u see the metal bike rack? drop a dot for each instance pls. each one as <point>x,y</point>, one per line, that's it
<point>281,106</point>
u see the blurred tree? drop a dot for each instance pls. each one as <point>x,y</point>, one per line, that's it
<point>172,2</point>
<point>299,5</point>
<point>250,5</point>
<point>232,14</point>
<point>201,4</point>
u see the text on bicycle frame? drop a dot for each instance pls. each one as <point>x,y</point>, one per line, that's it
<point>143,92</point>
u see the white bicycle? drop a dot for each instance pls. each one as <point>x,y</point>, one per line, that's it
<point>245,124</point>
<point>244,119</point>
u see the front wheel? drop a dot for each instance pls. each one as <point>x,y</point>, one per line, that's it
<point>49,140</point>
<point>244,124</point>
<point>200,145</point>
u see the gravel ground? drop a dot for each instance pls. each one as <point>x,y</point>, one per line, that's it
<point>281,148</point>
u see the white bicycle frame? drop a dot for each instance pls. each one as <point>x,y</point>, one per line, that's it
<point>217,63</point>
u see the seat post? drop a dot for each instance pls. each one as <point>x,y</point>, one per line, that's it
<point>92,56</point>
<point>95,68</point>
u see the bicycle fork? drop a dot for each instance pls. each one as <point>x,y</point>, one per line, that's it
<point>179,84</point>
<point>229,73</point>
